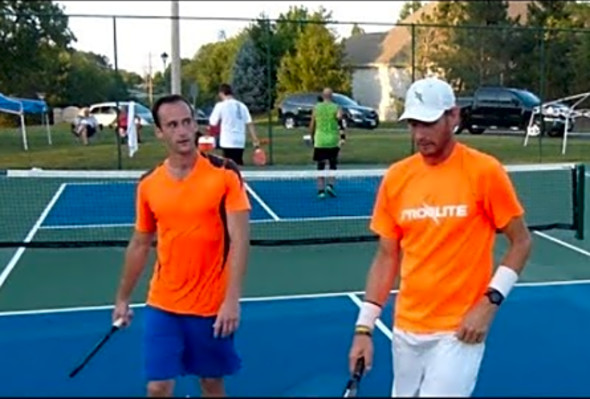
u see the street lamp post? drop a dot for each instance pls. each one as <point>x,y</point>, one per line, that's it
<point>164,57</point>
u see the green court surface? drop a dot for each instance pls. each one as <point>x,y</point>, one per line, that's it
<point>36,283</point>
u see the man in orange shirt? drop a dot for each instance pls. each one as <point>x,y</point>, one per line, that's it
<point>437,213</point>
<point>197,205</point>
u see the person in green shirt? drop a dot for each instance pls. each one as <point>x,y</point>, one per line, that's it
<point>327,135</point>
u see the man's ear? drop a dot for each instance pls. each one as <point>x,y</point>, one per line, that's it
<point>455,116</point>
<point>158,132</point>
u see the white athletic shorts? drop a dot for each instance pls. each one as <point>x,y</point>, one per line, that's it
<point>434,365</point>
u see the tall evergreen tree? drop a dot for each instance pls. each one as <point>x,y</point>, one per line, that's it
<point>249,78</point>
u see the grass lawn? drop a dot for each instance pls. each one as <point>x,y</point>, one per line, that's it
<point>364,148</point>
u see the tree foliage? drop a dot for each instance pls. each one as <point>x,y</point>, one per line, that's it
<point>500,50</point>
<point>33,35</point>
<point>249,78</point>
<point>211,66</point>
<point>409,8</point>
<point>275,40</point>
<point>356,30</point>
<point>469,57</point>
<point>318,62</point>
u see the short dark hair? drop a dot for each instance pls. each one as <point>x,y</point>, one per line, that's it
<point>168,99</point>
<point>225,89</point>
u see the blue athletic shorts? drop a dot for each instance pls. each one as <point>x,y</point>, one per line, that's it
<point>177,345</point>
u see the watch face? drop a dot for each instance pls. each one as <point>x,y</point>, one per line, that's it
<point>495,297</point>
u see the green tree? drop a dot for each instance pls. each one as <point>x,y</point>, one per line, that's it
<point>318,62</point>
<point>559,72</point>
<point>249,78</point>
<point>580,14</point>
<point>33,34</point>
<point>356,30</point>
<point>275,40</point>
<point>409,8</point>
<point>89,79</point>
<point>211,66</point>
<point>469,57</point>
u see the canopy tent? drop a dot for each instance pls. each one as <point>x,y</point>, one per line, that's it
<point>22,106</point>
<point>558,109</point>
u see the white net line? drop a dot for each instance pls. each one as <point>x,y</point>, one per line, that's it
<point>256,175</point>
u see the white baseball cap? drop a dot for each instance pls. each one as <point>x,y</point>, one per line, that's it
<point>427,100</point>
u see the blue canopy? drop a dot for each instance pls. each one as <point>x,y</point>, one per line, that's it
<point>9,105</point>
<point>22,106</point>
<point>18,105</point>
<point>32,106</point>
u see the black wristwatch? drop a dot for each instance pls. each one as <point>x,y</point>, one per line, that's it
<point>495,297</point>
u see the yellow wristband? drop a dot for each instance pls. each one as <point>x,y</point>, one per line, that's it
<point>363,330</point>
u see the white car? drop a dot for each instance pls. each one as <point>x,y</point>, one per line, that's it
<point>106,113</point>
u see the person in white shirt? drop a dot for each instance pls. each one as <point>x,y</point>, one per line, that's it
<point>234,117</point>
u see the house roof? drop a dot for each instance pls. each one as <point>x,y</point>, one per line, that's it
<point>389,47</point>
<point>364,49</point>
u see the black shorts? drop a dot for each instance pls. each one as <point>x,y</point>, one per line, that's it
<point>90,130</point>
<point>325,154</point>
<point>235,154</point>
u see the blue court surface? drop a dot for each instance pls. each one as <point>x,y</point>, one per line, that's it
<point>270,200</point>
<point>299,312</point>
<point>297,347</point>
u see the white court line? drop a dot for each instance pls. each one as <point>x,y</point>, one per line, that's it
<point>262,203</point>
<point>19,252</point>
<point>378,323</point>
<point>562,243</point>
<point>266,299</point>
<point>84,226</point>
<point>254,221</point>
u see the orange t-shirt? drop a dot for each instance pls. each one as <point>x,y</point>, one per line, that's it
<point>445,217</point>
<point>189,215</point>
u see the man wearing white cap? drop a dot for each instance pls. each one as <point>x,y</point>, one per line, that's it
<point>440,208</point>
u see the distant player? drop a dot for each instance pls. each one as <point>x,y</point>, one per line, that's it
<point>233,118</point>
<point>327,135</point>
<point>437,213</point>
<point>198,207</point>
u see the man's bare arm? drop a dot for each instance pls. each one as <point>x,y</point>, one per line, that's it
<point>380,279</point>
<point>520,244</point>
<point>136,256</point>
<point>383,272</point>
<point>514,260</point>
<point>253,135</point>
<point>239,233</point>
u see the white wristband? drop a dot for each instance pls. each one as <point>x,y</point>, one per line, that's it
<point>504,279</point>
<point>368,315</point>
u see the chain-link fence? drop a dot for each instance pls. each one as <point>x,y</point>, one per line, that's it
<point>278,67</point>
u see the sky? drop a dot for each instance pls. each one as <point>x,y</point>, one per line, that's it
<point>142,40</point>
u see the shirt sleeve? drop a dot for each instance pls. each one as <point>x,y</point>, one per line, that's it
<point>501,202</point>
<point>145,221</point>
<point>247,113</point>
<point>383,220</point>
<point>237,197</point>
<point>215,115</point>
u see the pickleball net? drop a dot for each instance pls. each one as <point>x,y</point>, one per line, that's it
<point>45,208</point>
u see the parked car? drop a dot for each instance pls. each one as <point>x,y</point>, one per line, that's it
<point>201,117</point>
<point>509,108</point>
<point>106,113</point>
<point>295,110</point>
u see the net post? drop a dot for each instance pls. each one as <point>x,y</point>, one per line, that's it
<point>269,96</point>
<point>116,66</point>
<point>579,198</point>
